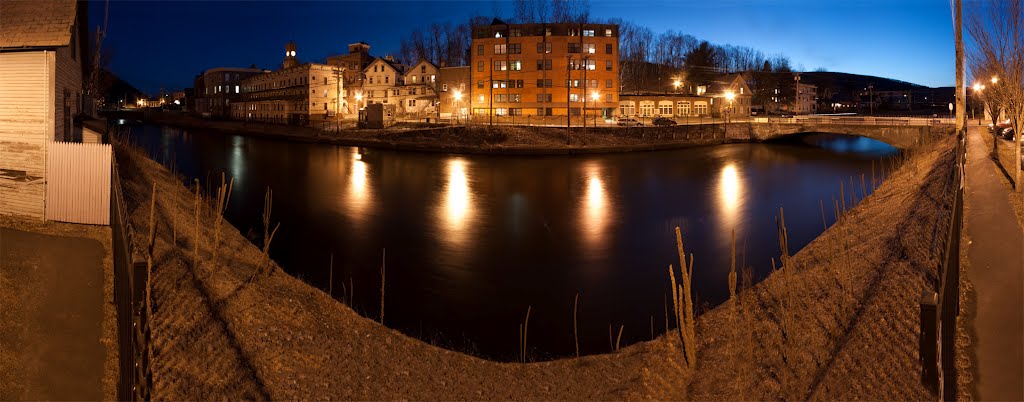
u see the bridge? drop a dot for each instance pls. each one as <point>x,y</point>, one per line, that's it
<point>900,132</point>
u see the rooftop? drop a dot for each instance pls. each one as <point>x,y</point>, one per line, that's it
<point>41,23</point>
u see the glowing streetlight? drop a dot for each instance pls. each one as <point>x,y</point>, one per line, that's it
<point>978,87</point>
<point>595,96</point>
<point>676,84</point>
<point>995,79</point>
<point>458,97</point>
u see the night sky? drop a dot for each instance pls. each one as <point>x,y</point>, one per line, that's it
<point>165,44</point>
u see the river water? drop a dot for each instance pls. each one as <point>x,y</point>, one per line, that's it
<point>470,242</point>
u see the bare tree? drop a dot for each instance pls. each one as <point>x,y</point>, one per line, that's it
<point>997,30</point>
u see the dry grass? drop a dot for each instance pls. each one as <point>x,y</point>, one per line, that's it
<point>843,323</point>
<point>1005,162</point>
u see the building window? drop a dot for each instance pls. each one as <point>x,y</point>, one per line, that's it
<point>325,93</point>
<point>500,48</point>
<point>480,66</point>
<point>462,86</point>
<point>608,65</point>
<point>543,98</point>
<point>515,48</point>
<point>608,83</point>
<point>665,108</point>
<point>589,48</point>
<point>574,97</point>
<point>609,98</point>
<point>573,32</point>
<point>608,48</point>
<point>444,87</point>
<point>423,69</point>
<point>646,108</point>
<point>683,108</point>
<point>574,47</point>
<point>371,80</point>
<point>480,84</point>
<point>544,64</point>
<point>588,32</point>
<point>514,98</point>
<point>387,79</point>
<point>547,31</point>
<point>501,98</point>
<point>544,47</point>
<point>572,83</point>
<point>498,84</point>
<point>700,108</point>
<point>607,32</point>
<point>544,83</point>
<point>412,102</point>
<point>515,32</point>
<point>479,50</point>
<point>516,65</point>
<point>515,83</point>
<point>433,78</point>
<point>500,65</point>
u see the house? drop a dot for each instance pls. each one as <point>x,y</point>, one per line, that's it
<point>352,65</point>
<point>43,53</point>
<point>383,77</point>
<point>731,96</point>
<point>419,96</point>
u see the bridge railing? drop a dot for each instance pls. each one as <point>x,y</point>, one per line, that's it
<point>858,120</point>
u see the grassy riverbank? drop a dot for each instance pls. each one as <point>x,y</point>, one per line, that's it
<point>842,323</point>
<point>481,139</point>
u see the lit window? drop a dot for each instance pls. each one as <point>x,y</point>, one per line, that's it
<point>608,32</point>
<point>589,48</point>
<point>444,87</point>
<point>588,32</point>
<point>236,89</point>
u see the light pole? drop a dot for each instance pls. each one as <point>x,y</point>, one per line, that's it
<point>458,98</point>
<point>729,96</point>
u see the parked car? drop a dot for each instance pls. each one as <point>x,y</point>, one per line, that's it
<point>663,121</point>
<point>1006,133</point>
<point>629,121</point>
<point>999,126</point>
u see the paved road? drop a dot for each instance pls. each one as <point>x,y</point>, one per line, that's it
<point>996,257</point>
<point>51,312</point>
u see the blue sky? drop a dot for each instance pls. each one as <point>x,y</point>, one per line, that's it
<point>164,44</point>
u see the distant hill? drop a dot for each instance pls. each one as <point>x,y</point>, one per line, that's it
<point>845,82</point>
<point>115,89</point>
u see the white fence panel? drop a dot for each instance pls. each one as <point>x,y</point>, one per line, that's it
<point>78,183</point>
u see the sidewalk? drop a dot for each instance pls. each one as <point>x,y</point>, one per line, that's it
<point>52,311</point>
<point>996,256</point>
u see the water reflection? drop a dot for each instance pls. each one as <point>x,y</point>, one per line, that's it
<point>594,210</point>
<point>730,196</point>
<point>360,194</point>
<point>456,207</point>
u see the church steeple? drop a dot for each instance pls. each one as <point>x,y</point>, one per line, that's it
<point>289,56</point>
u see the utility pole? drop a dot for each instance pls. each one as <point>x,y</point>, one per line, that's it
<point>568,99</point>
<point>490,94</point>
<point>871,99</point>
<point>796,94</point>
<point>338,72</point>
<point>961,90</point>
<point>586,60</point>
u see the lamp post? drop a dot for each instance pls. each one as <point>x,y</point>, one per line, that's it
<point>729,96</point>
<point>594,96</point>
<point>458,98</point>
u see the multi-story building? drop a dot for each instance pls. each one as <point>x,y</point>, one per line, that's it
<point>731,96</point>
<point>298,94</point>
<point>219,88</point>
<point>455,91</point>
<point>419,96</point>
<point>544,69</point>
<point>663,104</point>
<point>806,99</point>
<point>382,77</point>
<point>353,65</point>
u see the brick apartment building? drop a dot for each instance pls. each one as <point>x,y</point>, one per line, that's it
<point>298,94</point>
<point>218,88</point>
<point>544,69</point>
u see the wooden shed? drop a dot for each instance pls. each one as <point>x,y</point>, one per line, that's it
<point>43,57</point>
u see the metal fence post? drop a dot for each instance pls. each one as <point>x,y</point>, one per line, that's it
<point>928,342</point>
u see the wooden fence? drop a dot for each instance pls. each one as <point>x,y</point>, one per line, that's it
<point>78,183</point>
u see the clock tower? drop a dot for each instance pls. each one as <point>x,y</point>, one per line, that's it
<point>289,56</point>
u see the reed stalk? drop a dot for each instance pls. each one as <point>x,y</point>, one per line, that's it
<point>268,234</point>
<point>149,271</point>
<point>195,241</point>
<point>824,224</point>
<point>683,303</point>
<point>330,280</point>
<point>618,340</point>
<point>575,329</point>
<point>223,196</point>
<point>383,263</point>
<point>524,330</point>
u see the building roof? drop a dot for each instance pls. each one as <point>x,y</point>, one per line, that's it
<point>398,67</point>
<point>42,23</point>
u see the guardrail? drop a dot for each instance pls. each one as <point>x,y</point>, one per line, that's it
<point>858,120</point>
<point>133,330</point>
<point>939,309</point>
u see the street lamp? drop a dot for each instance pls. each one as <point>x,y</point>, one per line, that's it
<point>458,97</point>
<point>729,96</point>
<point>594,96</point>
<point>676,84</point>
<point>359,100</point>
<point>995,79</point>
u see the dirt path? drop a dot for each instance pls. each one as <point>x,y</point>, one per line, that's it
<point>996,256</point>
<point>52,314</point>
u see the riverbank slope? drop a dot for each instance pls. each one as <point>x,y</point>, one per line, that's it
<point>841,324</point>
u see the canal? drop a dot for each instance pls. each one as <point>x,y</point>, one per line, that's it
<point>473,241</point>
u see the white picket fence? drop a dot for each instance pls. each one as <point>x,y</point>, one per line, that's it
<point>78,182</point>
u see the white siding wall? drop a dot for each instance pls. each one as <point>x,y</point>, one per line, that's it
<point>26,125</point>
